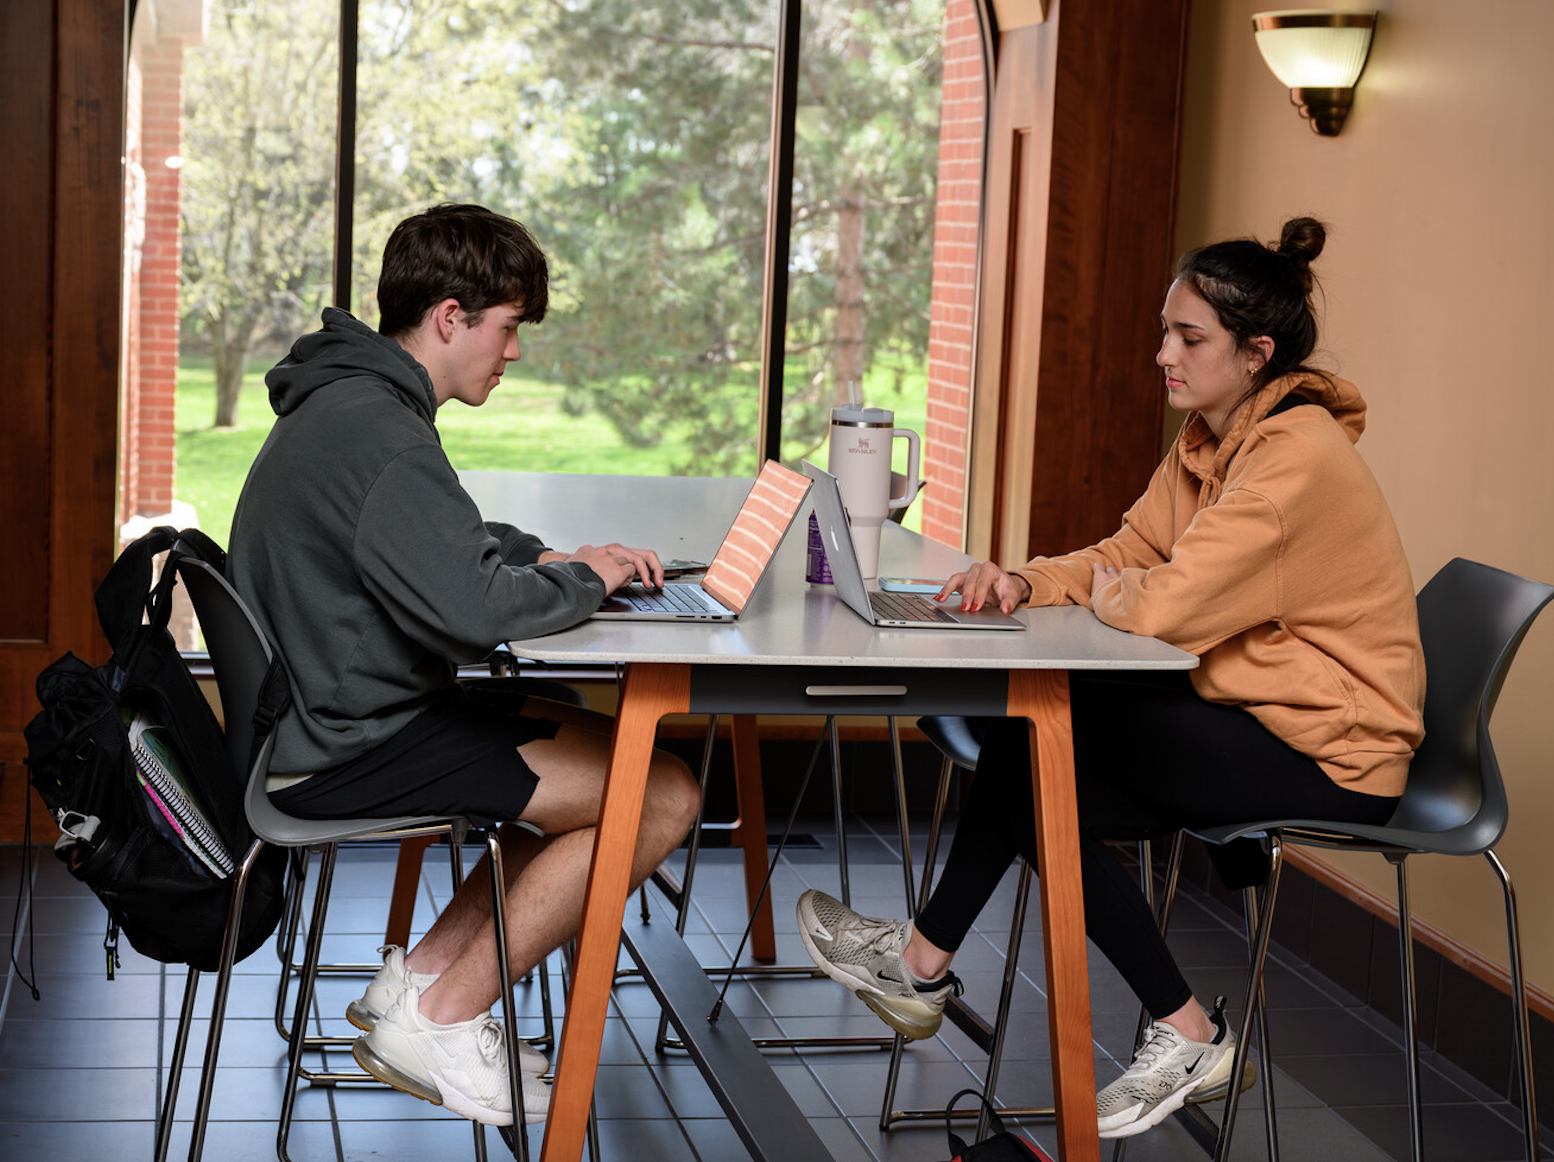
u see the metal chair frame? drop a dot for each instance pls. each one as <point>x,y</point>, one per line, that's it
<point>1472,620</point>
<point>241,657</point>
<point>499,662</point>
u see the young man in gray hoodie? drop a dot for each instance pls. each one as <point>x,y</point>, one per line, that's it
<point>374,576</point>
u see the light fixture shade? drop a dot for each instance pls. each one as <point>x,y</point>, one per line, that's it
<point>1318,54</point>
<point>1314,48</point>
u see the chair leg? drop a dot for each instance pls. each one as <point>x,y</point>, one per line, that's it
<point>218,1013</point>
<point>995,1054</point>
<point>935,826</point>
<point>1410,1016</point>
<point>994,1037</point>
<point>504,976</point>
<point>164,1125</point>
<point>286,948</point>
<point>662,1040</point>
<point>846,893</point>
<point>1160,903</point>
<point>309,978</point>
<point>286,938</point>
<point>995,1042</point>
<point>693,853</point>
<point>888,1117</point>
<point>1264,1046</point>
<point>1253,994</point>
<point>902,834</point>
<point>1518,1008</point>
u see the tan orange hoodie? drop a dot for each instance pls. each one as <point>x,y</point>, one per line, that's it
<point>1273,556</point>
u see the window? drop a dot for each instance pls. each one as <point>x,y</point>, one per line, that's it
<point>634,140</point>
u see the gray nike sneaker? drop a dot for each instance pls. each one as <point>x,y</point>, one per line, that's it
<point>864,955</point>
<point>1167,1070</point>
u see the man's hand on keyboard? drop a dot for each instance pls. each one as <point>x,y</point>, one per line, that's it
<point>616,565</point>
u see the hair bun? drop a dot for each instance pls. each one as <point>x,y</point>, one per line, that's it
<point>1300,242</point>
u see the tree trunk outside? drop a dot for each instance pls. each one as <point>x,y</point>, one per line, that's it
<point>849,265</point>
<point>232,346</point>
<point>849,294</point>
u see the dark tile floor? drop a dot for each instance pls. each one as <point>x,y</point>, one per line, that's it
<point>82,1069</point>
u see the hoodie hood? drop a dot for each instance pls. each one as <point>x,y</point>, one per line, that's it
<point>1208,458</point>
<point>346,348</point>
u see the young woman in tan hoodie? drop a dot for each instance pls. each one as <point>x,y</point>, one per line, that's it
<point>1263,545</point>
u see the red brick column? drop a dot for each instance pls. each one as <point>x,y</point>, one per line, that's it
<point>151,371</point>
<point>950,337</point>
<point>162,138</point>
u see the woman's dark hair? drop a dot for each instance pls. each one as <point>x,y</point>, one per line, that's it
<point>467,253</point>
<point>1262,290</point>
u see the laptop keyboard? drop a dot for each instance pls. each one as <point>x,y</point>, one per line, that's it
<point>907,607</point>
<point>670,599</point>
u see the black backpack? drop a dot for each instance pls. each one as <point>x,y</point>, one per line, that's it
<point>157,837</point>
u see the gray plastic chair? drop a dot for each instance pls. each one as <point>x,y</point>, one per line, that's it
<point>241,658</point>
<point>1472,619</point>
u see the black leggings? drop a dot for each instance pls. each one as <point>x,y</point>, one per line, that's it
<point>1150,757</point>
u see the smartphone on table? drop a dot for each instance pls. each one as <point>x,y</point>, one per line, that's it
<point>911,584</point>
<point>679,568</point>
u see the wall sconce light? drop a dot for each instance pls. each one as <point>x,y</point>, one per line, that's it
<point>1318,54</point>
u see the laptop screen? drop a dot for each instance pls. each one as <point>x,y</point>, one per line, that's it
<point>768,510</point>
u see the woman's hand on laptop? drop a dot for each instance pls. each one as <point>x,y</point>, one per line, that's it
<point>985,582</point>
<point>617,565</point>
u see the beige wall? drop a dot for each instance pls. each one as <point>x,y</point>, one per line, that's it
<point>1439,279</point>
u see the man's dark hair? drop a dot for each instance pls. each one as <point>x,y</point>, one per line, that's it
<point>467,253</point>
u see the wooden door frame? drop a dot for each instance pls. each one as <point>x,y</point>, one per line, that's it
<point>1079,231</point>
<point>62,74</point>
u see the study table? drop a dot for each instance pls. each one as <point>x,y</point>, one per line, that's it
<point>797,650</point>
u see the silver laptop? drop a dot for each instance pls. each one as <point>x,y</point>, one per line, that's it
<point>730,582</point>
<point>892,610</point>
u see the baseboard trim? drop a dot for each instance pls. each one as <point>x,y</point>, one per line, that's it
<point>1539,1002</point>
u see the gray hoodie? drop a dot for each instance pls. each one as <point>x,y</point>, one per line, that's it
<point>366,563</point>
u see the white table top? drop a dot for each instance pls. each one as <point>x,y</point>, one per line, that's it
<point>788,622</point>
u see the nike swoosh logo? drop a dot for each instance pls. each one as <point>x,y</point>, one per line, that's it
<point>1194,1065</point>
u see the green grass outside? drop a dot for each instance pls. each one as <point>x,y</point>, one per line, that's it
<point>521,428</point>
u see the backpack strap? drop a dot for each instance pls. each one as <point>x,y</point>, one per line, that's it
<point>129,609</point>
<point>274,700</point>
<point>125,595</point>
<point>958,1145</point>
<point>194,543</point>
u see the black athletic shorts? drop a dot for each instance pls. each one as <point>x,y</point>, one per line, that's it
<point>457,757</point>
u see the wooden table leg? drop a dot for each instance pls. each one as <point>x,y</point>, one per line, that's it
<point>750,832</point>
<point>1042,697</point>
<point>407,877</point>
<point>648,693</point>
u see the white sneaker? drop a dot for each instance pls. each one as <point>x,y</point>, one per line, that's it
<point>1164,1074</point>
<point>385,988</point>
<point>392,979</point>
<point>462,1067</point>
<point>864,955</point>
